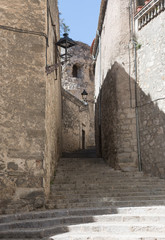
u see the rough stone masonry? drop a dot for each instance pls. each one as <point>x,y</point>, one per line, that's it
<point>30,123</point>
<point>78,119</point>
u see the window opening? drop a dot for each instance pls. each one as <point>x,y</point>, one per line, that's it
<point>75,71</point>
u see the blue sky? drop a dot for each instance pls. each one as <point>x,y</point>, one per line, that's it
<point>82,18</point>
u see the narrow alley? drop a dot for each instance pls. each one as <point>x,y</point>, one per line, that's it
<point>82,120</point>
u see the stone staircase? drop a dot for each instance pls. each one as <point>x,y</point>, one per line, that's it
<point>89,200</point>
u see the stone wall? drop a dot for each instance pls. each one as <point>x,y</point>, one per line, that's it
<point>114,40</point>
<point>78,75</point>
<point>151,91</point>
<point>116,119</point>
<point>30,104</point>
<point>75,120</point>
<point>53,124</point>
<point>128,117</point>
<point>117,135</point>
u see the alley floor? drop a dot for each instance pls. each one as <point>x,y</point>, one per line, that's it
<point>90,200</point>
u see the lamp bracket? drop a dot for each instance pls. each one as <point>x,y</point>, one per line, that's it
<point>51,68</point>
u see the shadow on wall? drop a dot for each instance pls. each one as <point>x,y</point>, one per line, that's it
<point>116,118</point>
<point>106,119</point>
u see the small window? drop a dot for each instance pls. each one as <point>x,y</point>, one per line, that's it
<point>140,2</point>
<point>94,68</point>
<point>83,139</point>
<point>75,71</point>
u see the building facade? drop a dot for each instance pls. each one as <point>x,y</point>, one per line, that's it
<point>78,118</point>
<point>150,34</point>
<point>75,123</point>
<point>30,103</point>
<point>115,118</point>
<point>129,85</point>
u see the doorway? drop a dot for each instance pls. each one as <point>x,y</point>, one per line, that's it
<point>83,139</point>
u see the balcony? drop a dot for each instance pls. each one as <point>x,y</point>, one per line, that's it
<point>149,11</point>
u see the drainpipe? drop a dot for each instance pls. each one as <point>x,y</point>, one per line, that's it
<point>137,111</point>
<point>132,11</point>
<point>99,51</point>
<point>100,82</point>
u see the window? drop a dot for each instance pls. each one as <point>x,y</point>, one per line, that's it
<point>75,71</point>
<point>140,2</point>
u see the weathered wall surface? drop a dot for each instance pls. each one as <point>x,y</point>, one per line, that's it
<point>30,15</point>
<point>75,120</point>
<point>114,39</point>
<point>151,94</point>
<point>117,133</point>
<point>75,81</point>
<point>117,120</point>
<point>26,100</point>
<point>53,99</point>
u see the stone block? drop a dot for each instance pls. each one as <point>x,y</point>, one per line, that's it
<point>12,166</point>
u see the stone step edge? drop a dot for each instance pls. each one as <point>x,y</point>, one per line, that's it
<point>122,218</point>
<point>85,211</point>
<point>153,192</point>
<point>136,236</point>
<point>111,200</point>
<point>95,224</point>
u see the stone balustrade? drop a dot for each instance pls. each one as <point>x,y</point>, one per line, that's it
<point>149,11</point>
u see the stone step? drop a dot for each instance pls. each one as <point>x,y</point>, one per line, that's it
<point>78,161</point>
<point>144,219</point>
<point>117,218</point>
<point>134,203</point>
<point>58,213</point>
<point>93,201</point>
<point>125,184</point>
<point>104,188</point>
<point>97,236</point>
<point>103,199</point>
<point>112,228</point>
<point>92,182</point>
<point>118,228</point>
<point>92,165</point>
<point>105,179</point>
<point>111,193</point>
<point>99,174</point>
<point>55,214</point>
<point>105,173</point>
<point>101,192</point>
<point>67,236</point>
<point>100,171</point>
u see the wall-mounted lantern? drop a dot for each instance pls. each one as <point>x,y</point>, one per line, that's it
<point>64,42</point>
<point>84,95</point>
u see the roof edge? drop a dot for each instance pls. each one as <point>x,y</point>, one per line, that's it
<point>103,8</point>
<point>72,98</point>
